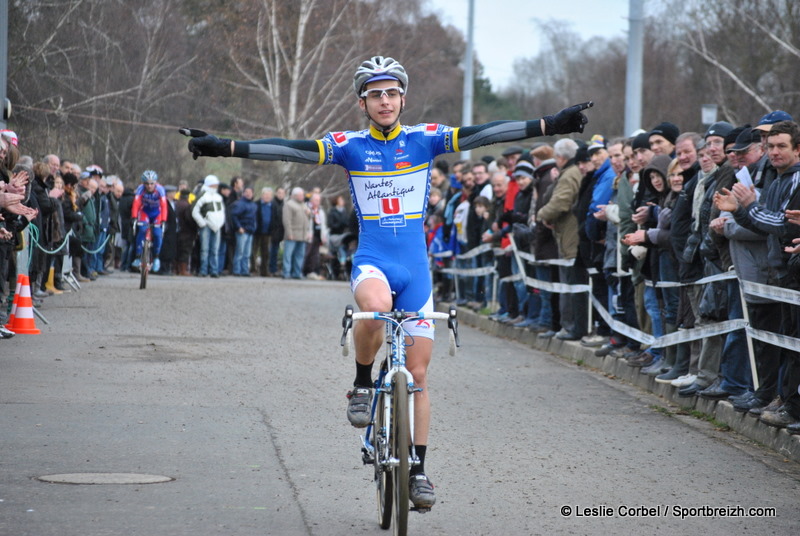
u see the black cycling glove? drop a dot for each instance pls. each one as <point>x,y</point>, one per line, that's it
<point>567,120</point>
<point>203,144</point>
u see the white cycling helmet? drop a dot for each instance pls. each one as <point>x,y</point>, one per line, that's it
<point>149,176</point>
<point>379,68</point>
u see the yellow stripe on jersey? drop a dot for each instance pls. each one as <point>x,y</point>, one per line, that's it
<point>408,217</point>
<point>321,148</point>
<point>455,140</point>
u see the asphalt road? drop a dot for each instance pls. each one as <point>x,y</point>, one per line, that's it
<point>235,389</point>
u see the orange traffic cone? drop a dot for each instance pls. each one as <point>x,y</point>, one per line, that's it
<point>14,303</point>
<point>21,320</point>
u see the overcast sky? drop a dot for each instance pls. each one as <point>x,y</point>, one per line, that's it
<point>505,29</point>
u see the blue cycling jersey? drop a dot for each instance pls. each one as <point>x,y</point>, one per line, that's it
<point>151,203</point>
<point>389,183</point>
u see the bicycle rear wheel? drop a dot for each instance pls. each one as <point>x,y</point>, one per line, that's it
<point>383,476</point>
<point>145,266</point>
<point>400,449</point>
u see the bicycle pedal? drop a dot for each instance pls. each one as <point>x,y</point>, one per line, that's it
<point>421,510</point>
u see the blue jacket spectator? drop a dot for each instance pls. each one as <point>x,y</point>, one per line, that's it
<point>243,215</point>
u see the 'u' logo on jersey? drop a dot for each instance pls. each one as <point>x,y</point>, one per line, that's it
<point>392,214</point>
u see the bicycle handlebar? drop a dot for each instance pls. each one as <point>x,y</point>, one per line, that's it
<point>398,317</point>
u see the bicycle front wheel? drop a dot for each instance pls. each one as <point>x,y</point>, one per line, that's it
<point>383,476</point>
<point>145,266</point>
<point>400,449</point>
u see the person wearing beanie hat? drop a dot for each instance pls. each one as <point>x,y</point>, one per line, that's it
<point>720,129</point>
<point>524,168</point>
<point>582,155</point>
<point>641,149</point>
<point>715,141</point>
<point>209,213</point>
<point>662,138</point>
<point>596,142</point>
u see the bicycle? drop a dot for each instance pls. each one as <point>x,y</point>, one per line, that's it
<point>145,257</point>
<point>388,443</point>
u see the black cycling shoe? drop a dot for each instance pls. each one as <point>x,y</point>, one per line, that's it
<point>358,408</point>
<point>420,491</point>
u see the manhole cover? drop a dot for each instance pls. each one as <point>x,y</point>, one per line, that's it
<point>105,478</point>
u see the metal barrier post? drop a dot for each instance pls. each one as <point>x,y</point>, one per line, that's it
<point>750,351</point>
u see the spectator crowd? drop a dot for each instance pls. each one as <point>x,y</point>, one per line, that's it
<point>644,218</point>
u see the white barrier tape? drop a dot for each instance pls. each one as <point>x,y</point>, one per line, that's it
<point>771,293</point>
<point>530,259</point>
<point>558,288</point>
<point>684,335</point>
<point>474,252</point>
<point>501,251</point>
<point>511,278</point>
<point>621,327</point>
<point>776,339</point>
<point>442,254</point>
<point>710,279</point>
<point>695,334</point>
<point>469,272</point>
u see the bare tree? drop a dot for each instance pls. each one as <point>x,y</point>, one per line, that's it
<point>750,51</point>
<point>291,66</point>
<point>106,71</point>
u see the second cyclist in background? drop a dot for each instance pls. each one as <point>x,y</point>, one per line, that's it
<point>149,206</point>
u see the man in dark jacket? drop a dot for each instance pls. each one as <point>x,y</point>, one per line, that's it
<point>263,237</point>
<point>767,215</point>
<point>244,214</point>
<point>277,231</point>
<point>125,205</point>
<point>187,230</point>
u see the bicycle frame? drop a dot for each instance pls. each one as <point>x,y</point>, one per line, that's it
<point>394,365</point>
<point>390,449</point>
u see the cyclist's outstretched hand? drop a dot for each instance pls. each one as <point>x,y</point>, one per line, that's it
<point>203,144</point>
<point>567,120</point>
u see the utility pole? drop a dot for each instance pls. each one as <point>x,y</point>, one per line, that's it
<point>633,80</point>
<point>469,84</point>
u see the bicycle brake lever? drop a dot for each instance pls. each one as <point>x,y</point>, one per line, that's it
<point>452,324</point>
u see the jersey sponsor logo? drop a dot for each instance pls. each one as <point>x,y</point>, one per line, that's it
<point>448,142</point>
<point>402,165</point>
<point>372,160</point>
<point>431,128</point>
<point>422,323</point>
<point>328,152</point>
<point>369,167</point>
<point>385,188</point>
<point>372,153</point>
<point>340,138</point>
<point>391,212</point>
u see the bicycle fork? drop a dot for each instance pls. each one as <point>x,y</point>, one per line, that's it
<point>384,386</point>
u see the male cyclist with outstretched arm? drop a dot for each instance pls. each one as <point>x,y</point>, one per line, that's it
<point>149,206</point>
<point>388,167</point>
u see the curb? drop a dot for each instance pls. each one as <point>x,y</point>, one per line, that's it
<point>777,439</point>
